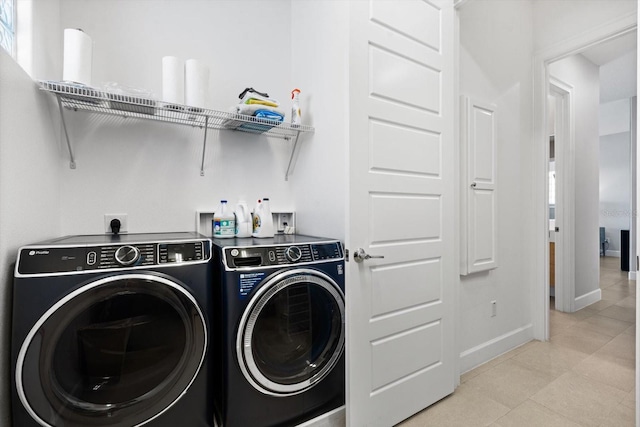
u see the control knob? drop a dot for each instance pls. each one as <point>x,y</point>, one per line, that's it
<point>127,255</point>
<point>293,253</point>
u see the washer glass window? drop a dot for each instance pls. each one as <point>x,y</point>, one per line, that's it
<point>114,352</point>
<point>294,333</point>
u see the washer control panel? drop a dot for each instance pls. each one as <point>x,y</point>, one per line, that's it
<point>66,259</point>
<point>265,256</point>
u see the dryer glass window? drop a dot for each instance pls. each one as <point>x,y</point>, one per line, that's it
<point>297,335</point>
<point>121,350</point>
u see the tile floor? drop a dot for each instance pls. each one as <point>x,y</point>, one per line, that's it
<point>584,376</point>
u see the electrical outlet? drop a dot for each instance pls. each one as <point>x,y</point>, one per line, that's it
<point>494,308</point>
<point>124,228</point>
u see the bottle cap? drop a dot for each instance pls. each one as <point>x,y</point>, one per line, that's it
<point>293,92</point>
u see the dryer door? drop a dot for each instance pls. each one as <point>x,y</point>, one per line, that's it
<point>292,332</point>
<point>115,352</point>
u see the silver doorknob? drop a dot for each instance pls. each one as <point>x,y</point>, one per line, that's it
<point>360,255</point>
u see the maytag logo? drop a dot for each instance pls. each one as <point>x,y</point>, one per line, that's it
<point>32,253</point>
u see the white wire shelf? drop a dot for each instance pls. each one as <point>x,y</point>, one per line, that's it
<point>79,97</point>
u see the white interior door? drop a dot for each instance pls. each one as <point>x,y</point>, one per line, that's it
<point>560,94</point>
<point>400,344</point>
<point>479,200</point>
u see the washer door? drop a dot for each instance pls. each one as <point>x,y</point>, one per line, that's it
<point>115,352</point>
<point>292,333</point>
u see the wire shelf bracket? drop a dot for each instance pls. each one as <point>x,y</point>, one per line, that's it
<point>79,97</point>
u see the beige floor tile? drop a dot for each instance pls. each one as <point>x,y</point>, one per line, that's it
<point>621,416</point>
<point>583,314</point>
<point>532,414</point>
<point>631,330</point>
<point>509,383</point>
<point>551,359</point>
<point>623,288</point>
<point>601,305</point>
<point>607,371</point>
<point>629,301</point>
<point>497,360</point>
<point>608,279</point>
<point>625,314</point>
<point>580,399</point>
<point>615,293</point>
<point>603,325</point>
<point>583,340</point>
<point>463,408</point>
<point>630,400</point>
<point>559,321</point>
<point>621,350</point>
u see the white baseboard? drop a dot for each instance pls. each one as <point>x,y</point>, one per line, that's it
<point>587,299</point>
<point>615,254</point>
<point>484,352</point>
<point>632,275</point>
<point>335,418</point>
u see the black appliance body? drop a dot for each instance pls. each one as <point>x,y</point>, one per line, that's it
<point>112,331</point>
<point>280,326</point>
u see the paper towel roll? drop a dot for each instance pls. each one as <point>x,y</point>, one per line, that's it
<point>78,52</point>
<point>172,80</point>
<point>196,83</point>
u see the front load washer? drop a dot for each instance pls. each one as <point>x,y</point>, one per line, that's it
<point>112,331</point>
<point>280,328</point>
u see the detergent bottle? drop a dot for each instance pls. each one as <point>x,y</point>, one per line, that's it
<point>262,219</point>
<point>243,220</point>
<point>295,108</point>
<point>224,222</point>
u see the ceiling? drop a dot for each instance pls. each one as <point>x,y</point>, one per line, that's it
<point>608,51</point>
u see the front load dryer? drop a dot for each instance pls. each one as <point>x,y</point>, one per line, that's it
<point>279,353</point>
<point>112,331</point>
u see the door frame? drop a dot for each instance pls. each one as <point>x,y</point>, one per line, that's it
<point>542,59</point>
<point>562,94</point>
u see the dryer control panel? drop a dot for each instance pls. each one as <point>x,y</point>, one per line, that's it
<point>279,255</point>
<point>73,259</point>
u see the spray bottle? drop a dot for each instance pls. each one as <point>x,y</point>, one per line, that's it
<point>295,108</point>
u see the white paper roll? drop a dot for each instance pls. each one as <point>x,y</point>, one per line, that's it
<point>78,53</point>
<point>196,83</point>
<point>172,80</point>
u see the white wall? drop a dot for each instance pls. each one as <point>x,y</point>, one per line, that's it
<point>583,75</point>
<point>555,21</point>
<point>618,79</point>
<point>319,63</point>
<point>39,41</point>
<point>29,188</point>
<point>615,187</point>
<point>151,171</point>
<point>615,170</point>
<point>495,67</point>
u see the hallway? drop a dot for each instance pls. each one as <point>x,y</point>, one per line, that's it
<point>584,376</point>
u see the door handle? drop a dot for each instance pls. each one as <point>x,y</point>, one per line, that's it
<point>361,255</point>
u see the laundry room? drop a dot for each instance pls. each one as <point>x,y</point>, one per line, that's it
<point>161,175</point>
<point>375,168</point>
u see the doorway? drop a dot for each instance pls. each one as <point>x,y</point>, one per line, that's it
<point>545,87</point>
<point>561,178</point>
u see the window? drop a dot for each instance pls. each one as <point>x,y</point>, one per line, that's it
<point>7,26</point>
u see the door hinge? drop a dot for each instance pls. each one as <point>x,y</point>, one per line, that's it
<point>346,255</point>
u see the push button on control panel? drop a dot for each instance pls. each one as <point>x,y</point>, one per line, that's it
<point>92,258</point>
